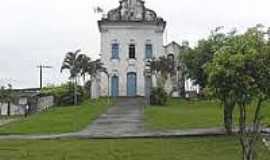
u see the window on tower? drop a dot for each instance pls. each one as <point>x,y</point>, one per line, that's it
<point>115,51</point>
<point>148,51</point>
<point>132,51</point>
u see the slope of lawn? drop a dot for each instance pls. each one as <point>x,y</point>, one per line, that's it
<point>58,119</point>
<point>219,148</point>
<point>183,114</point>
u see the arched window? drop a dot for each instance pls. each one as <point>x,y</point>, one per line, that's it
<point>171,57</point>
<point>172,62</point>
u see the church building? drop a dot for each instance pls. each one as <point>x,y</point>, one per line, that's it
<point>131,35</point>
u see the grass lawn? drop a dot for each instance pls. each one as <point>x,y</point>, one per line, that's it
<point>58,119</point>
<point>182,114</point>
<point>222,148</point>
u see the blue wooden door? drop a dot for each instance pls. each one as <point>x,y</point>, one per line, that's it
<point>115,86</point>
<point>131,84</point>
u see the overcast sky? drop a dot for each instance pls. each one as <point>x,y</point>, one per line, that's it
<point>34,32</point>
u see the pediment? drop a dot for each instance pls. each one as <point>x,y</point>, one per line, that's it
<point>132,10</point>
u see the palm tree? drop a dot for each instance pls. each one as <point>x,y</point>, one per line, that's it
<point>94,68</point>
<point>84,62</point>
<point>72,62</point>
<point>7,96</point>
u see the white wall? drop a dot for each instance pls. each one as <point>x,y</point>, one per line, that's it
<point>14,109</point>
<point>138,34</point>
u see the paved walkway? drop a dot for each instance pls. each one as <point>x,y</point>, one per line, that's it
<point>124,120</point>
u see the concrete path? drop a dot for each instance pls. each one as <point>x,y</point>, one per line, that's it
<point>154,134</point>
<point>126,117</point>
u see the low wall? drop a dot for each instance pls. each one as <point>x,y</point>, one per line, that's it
<point>44,103</point>
<point>15,110</point>
<point>37,104</point>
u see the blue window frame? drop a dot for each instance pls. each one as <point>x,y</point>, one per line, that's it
<point>148,51</point>
<point>115,51</point>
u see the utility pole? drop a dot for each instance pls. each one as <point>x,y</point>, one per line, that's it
<point>41,67</point>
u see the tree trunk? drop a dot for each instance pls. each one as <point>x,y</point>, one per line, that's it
<point>248,143</point>
<point>181,83</point>
<point>249,136</point>
<point>228,116</point>
<point>75,91</point>
<point>183,89</point>
<point>8,109</point>
<point>228,122</point>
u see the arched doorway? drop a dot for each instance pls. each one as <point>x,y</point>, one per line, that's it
<point>115,86</point>
<point>131,84</point>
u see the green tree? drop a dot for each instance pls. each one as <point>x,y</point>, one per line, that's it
<point>197,58</point>
<point>93,68</point>
<point>72,62</point>
<point>241,69</point>
<point>162,68</point>
<point>84,62</point>
<point>8,96</point>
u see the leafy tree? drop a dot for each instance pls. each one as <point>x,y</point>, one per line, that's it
<point>7,96</point>
<point>195,61</point>
<point>72,62</point>
<point>241,69</point>
<point>162,68</point>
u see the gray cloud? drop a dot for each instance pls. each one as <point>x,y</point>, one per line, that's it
<point>36,32</point>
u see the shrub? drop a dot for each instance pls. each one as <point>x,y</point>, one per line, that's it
<point>64,94</point>
<point>158,96</point>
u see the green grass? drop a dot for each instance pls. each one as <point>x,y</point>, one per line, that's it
<point>58,119</point>
<point>222,148</point>
<point>182,114</point>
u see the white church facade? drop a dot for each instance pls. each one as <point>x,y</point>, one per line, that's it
<point>131,35</point>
